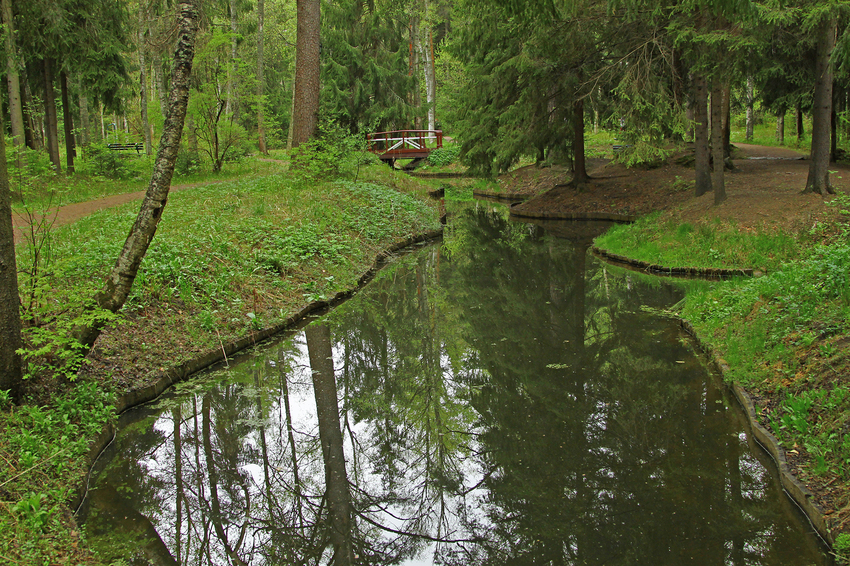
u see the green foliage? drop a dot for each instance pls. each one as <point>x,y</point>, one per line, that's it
<point>842,546</point>
<point>334,152</point>
<point>518,88</point>
<point>444,156</point>
<point>46,445</point>
<point>365,66</point>
<point>188,162</point>
<point>220,134</point>
<point>100,161</point>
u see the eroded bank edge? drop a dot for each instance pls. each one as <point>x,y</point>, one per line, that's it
<point>610,216</point>
<point>654,268</point>
<point>796,490</point>
<point>184,370</point>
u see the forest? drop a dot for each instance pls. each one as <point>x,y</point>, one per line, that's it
<point>263,108</point>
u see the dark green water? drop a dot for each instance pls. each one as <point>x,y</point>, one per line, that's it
<point>502,398</point>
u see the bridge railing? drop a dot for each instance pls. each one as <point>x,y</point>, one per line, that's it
<point>404,143</point>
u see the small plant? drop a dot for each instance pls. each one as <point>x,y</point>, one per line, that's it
<point>681,185</point>
<point>797,412</point>
<point>444,156</point>
<point>33,511</point>
<point>842,547</point>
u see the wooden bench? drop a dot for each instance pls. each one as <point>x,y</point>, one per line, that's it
<point>138,146</point>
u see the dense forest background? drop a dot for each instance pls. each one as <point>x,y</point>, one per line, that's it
<point>508,79</point>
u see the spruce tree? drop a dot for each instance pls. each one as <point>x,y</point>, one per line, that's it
<point>365,69</point>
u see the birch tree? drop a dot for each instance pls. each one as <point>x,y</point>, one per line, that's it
<point>120,281</point>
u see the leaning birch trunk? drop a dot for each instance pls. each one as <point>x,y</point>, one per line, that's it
<point>117,286</point>
<point>818,179</point>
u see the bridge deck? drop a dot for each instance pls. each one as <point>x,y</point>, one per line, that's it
<point>404,144</point>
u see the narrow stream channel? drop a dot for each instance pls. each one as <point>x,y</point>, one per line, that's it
<point>500,398</point>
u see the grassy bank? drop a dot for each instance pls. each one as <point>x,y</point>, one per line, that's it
<point>228,258</point>
<point>666,241</point>
<point>784,335</point>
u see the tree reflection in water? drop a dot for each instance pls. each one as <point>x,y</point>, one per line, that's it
<point>501,399</point>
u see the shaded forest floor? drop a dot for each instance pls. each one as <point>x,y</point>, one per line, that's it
<point>764,189</point>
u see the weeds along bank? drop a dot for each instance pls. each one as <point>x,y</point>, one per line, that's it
<point>228,259</point>
<point>784,335</point>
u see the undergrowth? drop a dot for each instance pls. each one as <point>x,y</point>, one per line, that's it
<point>43,449</point>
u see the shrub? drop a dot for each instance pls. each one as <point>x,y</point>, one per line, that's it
<point>444,156</point>
<point>98,160</point>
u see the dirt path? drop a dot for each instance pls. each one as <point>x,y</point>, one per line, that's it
<point>73,212</point>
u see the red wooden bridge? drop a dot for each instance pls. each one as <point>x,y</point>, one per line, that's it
<point>404,144</point>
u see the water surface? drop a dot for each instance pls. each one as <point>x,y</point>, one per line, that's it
<point>500,398</point>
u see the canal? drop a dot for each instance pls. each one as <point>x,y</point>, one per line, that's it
<point>501,397</point>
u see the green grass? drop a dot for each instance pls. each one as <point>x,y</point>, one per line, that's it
<point>37,193</point>
<point>715,244</point>
<point>228,258</point>
<point>764,133</point>
<point>43,449</point>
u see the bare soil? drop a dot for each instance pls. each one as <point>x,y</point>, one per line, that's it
<point>764,189</point>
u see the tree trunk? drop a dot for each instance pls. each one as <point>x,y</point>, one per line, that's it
<point>51,125</point>
<point>750,117</point>
<point>818,180</point>
<point>143,87</point>
<point>702,156</point>
<point>159,76</point>
<point>30,135</point>
<point>727,119</point>
<point>232,71</point>
<point>68,123</point>
<point>85,121</point>
<point>305,115</point>
<point>717,153</point>
<point>13,82</point>
<point>780,128</point>
<point>799,123</point>
<point>580,176</point>
<point>10,316</point>
<point>330,435</point>
<point>430,82</point>
<point>261,87</point>
<point>117,286</point>
<point>833,128</point>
